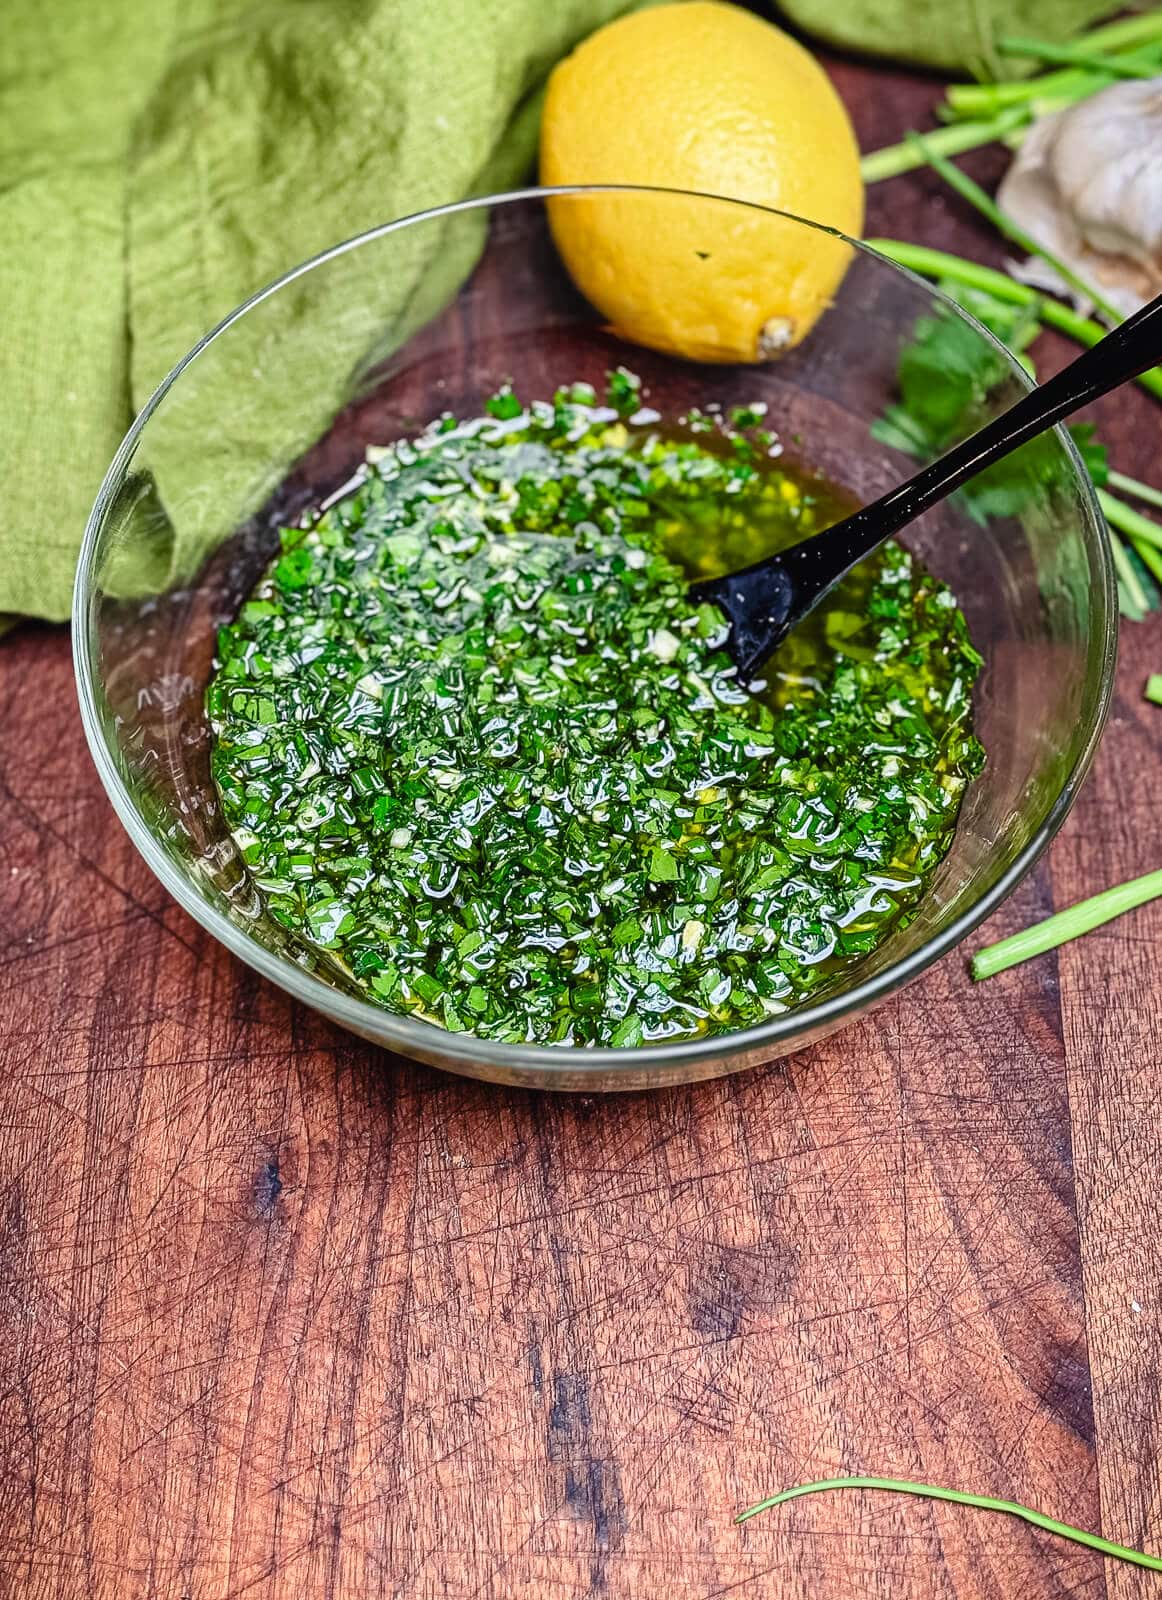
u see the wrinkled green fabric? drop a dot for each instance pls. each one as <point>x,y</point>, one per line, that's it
<point>158,163</point>
<point>958,36</point>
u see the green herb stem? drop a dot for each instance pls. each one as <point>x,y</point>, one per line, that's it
<point>1009,226</point>
<point>1129,521</point>
<point>1065,925</point>
<point>1038,1519</point>
<point>1153,689</point>
<point>1145,536</point>
<point>1141,28</point>
<point>1117,66</point>
<point>1151,558</point>
<point>952,140</point>
<point>981,100</point>
<point>1132,601</point>
<point>986,99</point>
<point>931,263</point>
<point>939,264</point>
<point>1139,491</point>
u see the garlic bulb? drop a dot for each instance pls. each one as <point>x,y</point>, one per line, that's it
<point>1087,184</point>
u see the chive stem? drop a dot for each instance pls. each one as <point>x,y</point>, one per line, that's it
<point>929,1491</point>
<point>1140,28</point>
<point>951,140</point>
<point>931,263</point>
<point>1117,66</point>
<point>1129,521</point>
<point>1133,603</point>
<point>977,100</point>
<point>1065,925</point>
<point>986,99</point>
<point>1150,556</point>
<point>1139,491</point>
<point>1009,226</point>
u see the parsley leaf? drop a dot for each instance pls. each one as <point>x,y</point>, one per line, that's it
<point>946,376</point>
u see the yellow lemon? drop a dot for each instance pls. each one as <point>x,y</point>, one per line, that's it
<point>708,97</point>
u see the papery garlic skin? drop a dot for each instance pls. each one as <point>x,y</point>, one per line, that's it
<point>1087,184</point>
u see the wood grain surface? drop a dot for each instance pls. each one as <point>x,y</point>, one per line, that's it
<point>281,1316</point>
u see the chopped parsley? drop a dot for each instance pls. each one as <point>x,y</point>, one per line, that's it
<point>475,743</point>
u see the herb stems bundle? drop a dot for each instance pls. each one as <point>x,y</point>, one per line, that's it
<point>1142,533</point>
<point>1131,33</point>
<point>980,113</point>
<point>1071,55</point>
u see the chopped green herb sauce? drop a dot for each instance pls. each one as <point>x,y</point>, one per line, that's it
<point>475,743</point>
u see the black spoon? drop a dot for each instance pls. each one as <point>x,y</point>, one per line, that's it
<point>765,601</point>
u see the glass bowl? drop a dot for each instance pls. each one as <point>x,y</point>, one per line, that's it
<point>272,413</point>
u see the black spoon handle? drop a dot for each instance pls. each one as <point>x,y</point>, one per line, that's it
<point>1129,350</point>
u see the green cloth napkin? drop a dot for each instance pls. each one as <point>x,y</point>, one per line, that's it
<point>158,163</point>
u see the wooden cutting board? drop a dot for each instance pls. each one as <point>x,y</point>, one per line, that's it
<point>282,1316</point>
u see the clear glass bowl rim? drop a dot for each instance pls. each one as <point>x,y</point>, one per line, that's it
<point>422,1040</point>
